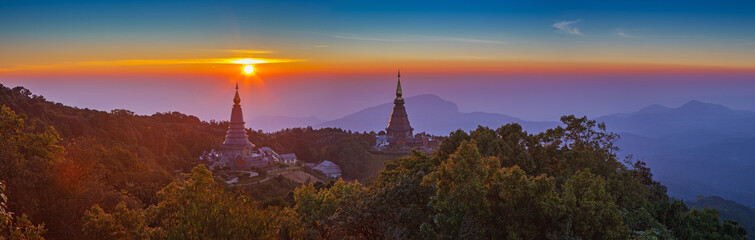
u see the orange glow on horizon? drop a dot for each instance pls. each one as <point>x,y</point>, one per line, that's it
<point>231,70</point>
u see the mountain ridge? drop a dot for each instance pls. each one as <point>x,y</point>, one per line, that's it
<point>432,114</point>
<point>658,121</point>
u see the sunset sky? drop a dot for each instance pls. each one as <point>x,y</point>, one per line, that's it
<point>535,60</point>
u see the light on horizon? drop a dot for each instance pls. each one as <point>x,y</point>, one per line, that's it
<point>248,69</point>
<point>248,61</point>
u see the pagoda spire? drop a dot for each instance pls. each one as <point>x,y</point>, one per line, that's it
<point>399,93</point>
<point>237,99</point>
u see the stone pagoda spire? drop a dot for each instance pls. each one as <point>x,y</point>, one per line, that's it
<point>236,137</point>
<point>399,130</point>
<point>398,90</point>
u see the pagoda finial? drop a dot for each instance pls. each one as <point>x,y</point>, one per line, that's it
<point>398,86</point>
<point>237,99</point>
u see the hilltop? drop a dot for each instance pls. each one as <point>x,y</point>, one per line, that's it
<point>118,156</point>
<point>696,148</point>
<point>105,175</point>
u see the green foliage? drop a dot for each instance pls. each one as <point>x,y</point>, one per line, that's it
<point>303,151</point>
<point>119,156</point>
<point>317,206</point>
<point>123,223</point>
<point>459,202</point>
<point>729,210</point>
<point>523,206</point>
<point>5,215</point>
<point>195,208</point>
<point>564,183</point>
<point>198,208</point>
<point>19,227</point>
<point>110,183</point>
<point>26,159</point>
<point>396,204</point>
<point>108,157</point>
<point>347,149</point>
<point>591,209</point>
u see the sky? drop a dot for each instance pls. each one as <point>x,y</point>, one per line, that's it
<point>536,60</point>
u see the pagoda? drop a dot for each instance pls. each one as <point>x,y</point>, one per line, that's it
<point>236,138</point>
<point>237,152</point>
<point>399,132</point>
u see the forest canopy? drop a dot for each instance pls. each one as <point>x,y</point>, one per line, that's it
<point>73,173</point>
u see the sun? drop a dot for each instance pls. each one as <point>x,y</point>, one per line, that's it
<point>248,69</point>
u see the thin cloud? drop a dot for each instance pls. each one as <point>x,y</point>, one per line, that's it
<point>241,51</point>
<point>321,46</point>
<point>567,27</point>
<point>624,34</point>
<point>361,38</point>
<point>191,61</point>
<point>471,40</point>
<point>419,38</point>
<point>144,62</point>
<point>238,51</point>
<point>474,57</point>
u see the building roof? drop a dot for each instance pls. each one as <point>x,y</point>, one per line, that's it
<point>328,168</point>
<point>288,156</point>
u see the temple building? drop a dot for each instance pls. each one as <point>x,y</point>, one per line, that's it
<point>237,152</point>
<point>399,132</point>
<point>329,168</point>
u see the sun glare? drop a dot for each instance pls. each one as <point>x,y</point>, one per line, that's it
<point>248,61</point>
<point>248,69</point>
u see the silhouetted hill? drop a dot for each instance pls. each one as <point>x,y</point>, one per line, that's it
<point>729,210</point>
<point>722,168</point>
<point>431,114</point>
<point>697,148</point>
<point>659,121</point>
<point>276,123</point>
<point>118,156</point>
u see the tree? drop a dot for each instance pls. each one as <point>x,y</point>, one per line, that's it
<point>19,227</point>
<point>459,201</point>
<point>590,210</point>
<point>564,183</point>
<point>317,207</point>
<point>123,224</point>
<point>451,144</point>
<point>26,159</point>
<point>522,206</point>
<point>195,208</point>
<point>302,151</point>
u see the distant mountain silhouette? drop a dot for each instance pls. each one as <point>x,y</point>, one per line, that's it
<point>276,123</point>
<point>721,168</point>
<point>697,148</point>
<point>729,210</point>
<point>431,114</point>
<point>658,121</point>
